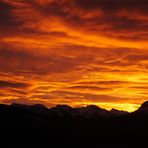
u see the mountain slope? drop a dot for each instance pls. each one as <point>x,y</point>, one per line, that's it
<point>89,126</point>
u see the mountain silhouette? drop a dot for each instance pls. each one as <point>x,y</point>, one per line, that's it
<point>89,126</point>
<point>116,112</point>
<point>141,114</point>
<point>93,111</point>
<point>39,108</point>
<point>144,107</point>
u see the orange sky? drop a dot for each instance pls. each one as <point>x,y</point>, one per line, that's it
<point>74,52</point>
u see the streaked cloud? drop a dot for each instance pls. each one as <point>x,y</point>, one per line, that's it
<point>4,84</point>
<point>76,52</point>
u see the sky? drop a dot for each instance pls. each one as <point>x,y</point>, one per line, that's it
<point>74,52</point>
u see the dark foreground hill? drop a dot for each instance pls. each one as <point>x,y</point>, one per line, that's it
<point>63,125</point>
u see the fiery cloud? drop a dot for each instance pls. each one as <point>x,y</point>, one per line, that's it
<point>74,52</point>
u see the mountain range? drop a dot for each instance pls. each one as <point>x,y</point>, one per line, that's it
<point>88,112</point>
<point>62,125</point>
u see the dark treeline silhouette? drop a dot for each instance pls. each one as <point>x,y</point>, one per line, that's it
<point>63,125</point>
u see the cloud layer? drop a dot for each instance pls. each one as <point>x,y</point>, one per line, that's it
<point>74,52</point>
